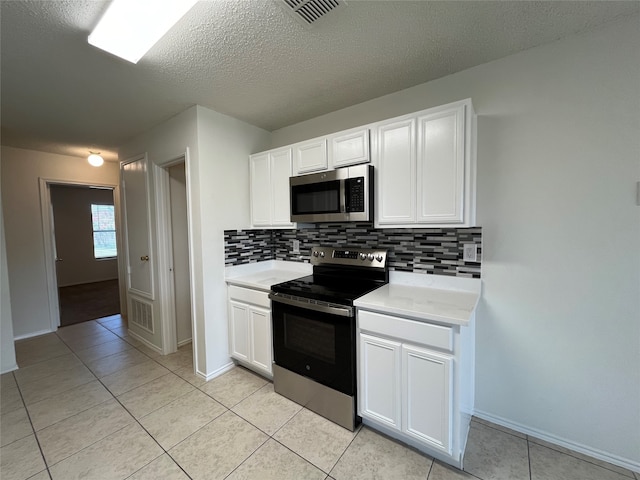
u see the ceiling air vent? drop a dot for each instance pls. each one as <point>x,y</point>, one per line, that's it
<point>310,11</point>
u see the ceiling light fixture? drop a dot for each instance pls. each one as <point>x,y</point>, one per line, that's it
<point>95,159</point>
<point>129,28</point>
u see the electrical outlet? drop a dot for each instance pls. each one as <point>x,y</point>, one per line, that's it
<point>470,252</point>
<point>296,246</point>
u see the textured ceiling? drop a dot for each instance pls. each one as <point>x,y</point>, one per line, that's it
<point>250,60</point>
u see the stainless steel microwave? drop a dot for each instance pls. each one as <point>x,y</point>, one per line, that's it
<point>341,195</point>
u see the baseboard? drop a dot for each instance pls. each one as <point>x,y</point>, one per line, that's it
<point>184,342</point>
<point>547,437</point>
<point>89,281</point>
<point>30,335</point>
<point>144,341</point>
<point>10,369</point>
<point>217,372</point>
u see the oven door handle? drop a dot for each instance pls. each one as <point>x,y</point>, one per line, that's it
<point>342,311</point>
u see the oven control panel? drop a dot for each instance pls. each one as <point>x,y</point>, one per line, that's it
<point>361,257</point>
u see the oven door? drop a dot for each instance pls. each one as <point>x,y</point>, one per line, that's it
<point>314,343</point>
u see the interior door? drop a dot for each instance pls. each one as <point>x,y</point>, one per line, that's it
<point>136,206</point>
<point>180,247</point>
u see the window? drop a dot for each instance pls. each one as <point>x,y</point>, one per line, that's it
<point>104,231</point>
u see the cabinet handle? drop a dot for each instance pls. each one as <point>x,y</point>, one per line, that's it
<point>145,258</point>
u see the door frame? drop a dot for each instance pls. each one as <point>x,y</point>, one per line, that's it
<point>166,284</point>
<point>46,209</point>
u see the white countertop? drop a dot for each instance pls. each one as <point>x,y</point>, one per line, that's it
<point>434,298</point>
<point>262,275</point>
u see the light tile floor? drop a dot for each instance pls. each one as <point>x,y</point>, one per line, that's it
<point>90,402</point>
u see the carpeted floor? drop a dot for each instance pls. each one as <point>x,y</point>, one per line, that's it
<point>88,301</point>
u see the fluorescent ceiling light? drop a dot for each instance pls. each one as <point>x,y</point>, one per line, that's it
<point>129,28</point>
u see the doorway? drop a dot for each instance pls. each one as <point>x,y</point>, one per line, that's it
<point>180,251</point>
<point>47,215</point>
<point>86,264</point>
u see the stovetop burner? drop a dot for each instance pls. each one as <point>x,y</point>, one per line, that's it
<point>339,275</point>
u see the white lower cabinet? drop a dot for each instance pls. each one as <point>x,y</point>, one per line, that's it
<point>380,380</point>
<point>406,388</point>
<point>408,384</point>
<point>426,393</point>
<point>250,329</point>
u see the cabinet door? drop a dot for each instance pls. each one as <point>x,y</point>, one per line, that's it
<point>441,154</point>
<point>260,184</point>
<point>426,393</point>
<point>239,330</point>
<point>311,156</point>
<point>280,192</point>
<point>396,161</point>
<point>260,338</point>
<point>380,378</point>
<point>349,149</point>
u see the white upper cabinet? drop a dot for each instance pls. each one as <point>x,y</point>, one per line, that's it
<point>310,156</point>
<point>349,148</point>
<point>280,195</point>
<point>440,167</point>
<point>269,178</point>
<point>396,185</point>
<point>426,167</point>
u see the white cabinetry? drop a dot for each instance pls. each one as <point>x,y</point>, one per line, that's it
<point>426,393</point>
<point>250,328</point>
<point>350,147</point>
<point>310,156</point>
<point>426,167</point>
<point>380,380</point>
<point>270,201</point>
<point>410,382</point>
<point>396,179</point>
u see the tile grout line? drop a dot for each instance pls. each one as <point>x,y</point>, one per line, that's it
<point>24,405</point>
<point>557,449</point>
<point>72,351</point>
<point>529,457</point>
<point>135,419</point>
<point>586,458</point>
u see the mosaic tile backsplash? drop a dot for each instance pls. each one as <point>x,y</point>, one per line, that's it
<point>420,250</point>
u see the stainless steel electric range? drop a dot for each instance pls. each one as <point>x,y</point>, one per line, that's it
<point>314,330</point>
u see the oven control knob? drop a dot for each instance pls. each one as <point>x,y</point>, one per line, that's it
<point>363,256</point>
<point>379,258</point>
<point>321,254</point>
<point>315,253</point>
<point>370,257</point>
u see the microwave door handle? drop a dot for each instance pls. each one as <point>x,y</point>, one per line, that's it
<point>344,198</point>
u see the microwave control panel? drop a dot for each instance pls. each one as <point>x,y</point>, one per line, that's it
<point>355,187</point>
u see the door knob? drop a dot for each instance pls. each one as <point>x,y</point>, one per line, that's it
<point>145,258</point>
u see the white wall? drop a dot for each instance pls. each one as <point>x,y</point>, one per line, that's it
<point>74,235</point>
<point>7,349</point>
<point>224,144</point>
<point>21,170</point>
<point>558,328</point>
<point>163,144</point>
<point>217,198</point>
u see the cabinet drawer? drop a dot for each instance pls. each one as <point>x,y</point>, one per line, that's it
<point>407,330</point>
<point>247,295</point>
